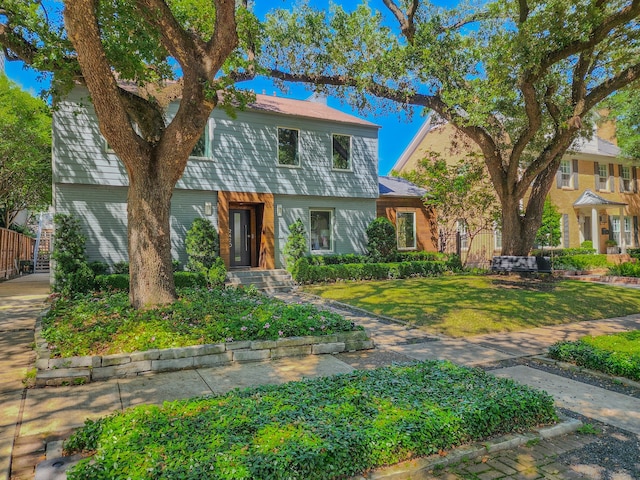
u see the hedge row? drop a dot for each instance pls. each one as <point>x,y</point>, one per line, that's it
<point>563,252</point>
<point>351,258</point>
<point>318,429</point>
<point>120,281</point>
<point>579,262</point>
<point>303,272</point>
<point>583,354</point>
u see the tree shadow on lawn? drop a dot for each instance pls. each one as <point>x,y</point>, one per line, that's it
<point>475,305</point>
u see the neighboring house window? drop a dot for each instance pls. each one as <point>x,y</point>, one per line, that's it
<point>603,177</point>
<point>628,235</point>
<point>202,148</point>
<point>625,179</point>
<point>341,152</point>
<point>497,236</point>
<point>464,235</point>
<point>321,231</point>
<point>288,147</point>
<point>565,173</point>
<point>615,229</point>
<point>406,228</point>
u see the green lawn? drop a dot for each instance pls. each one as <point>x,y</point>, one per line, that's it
<point>468,305</point>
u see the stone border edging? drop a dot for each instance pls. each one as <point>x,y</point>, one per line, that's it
<point>80,370</point>
<point>419,467</point>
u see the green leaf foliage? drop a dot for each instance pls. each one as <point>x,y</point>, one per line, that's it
<point>381,240</point>
<point>25,152</point>
<point>71,273</point>
<point>296,245</point>
<point>549,233</point>
<point>626,269</point>
<point>203,245</point>
<point>325,428</point>
<point>613,354</point>
<point>99,323</point>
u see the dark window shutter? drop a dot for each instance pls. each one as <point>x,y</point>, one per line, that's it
<point>565,230</point>
<point>610,227</point>
<point>634,176</point>
<point>620,179</point>
<point>596,174</point>
<point>574,174</point>
<point>635,232</point>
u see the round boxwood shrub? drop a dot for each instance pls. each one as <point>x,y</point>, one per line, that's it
<point>203,245</point>
<point>381,240</point>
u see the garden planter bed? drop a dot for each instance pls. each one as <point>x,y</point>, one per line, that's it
<point>80,370</point>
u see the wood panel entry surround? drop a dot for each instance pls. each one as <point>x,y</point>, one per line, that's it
<point>261,240</point>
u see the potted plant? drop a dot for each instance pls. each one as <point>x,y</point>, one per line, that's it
<point>612,246</point>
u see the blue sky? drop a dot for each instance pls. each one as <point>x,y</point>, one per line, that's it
<point>396,130</point>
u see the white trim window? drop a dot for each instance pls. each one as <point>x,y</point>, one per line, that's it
<point>603,177</point>
<point>406,229</point>
<point>497,237</point>
<point>288,147</point>
<point>321,230</point>
<point>615,228</point>
<point>341,151</point>
<point>464,235</point>
<point>625,179</point>
<point>565,173</point>
<point>628,231</point>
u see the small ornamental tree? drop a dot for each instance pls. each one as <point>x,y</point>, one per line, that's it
<point>296,245</point>
<point>203,245</point>
<point>549,233</point>
<point>381,240</point>
<point>71,271</point>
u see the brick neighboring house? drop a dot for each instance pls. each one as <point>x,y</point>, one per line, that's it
<point>595,192</point>
<point>252,176</point>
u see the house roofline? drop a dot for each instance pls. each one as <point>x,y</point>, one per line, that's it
<point>426,127</point>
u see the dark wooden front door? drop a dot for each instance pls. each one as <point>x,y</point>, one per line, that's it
<point>240,238</point>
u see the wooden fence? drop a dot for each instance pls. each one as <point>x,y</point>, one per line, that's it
<point>14,247</point>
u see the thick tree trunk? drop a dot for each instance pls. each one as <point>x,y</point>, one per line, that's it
<point>518,231</point>
<point>148,212</point>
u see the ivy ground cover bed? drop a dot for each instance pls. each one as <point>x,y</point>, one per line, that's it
<point>467,305</point>
<point>617,354</point>
<point>104,323</point>
<point>324,428</point>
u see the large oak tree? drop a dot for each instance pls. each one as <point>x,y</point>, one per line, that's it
<point>174,49</point>
<point>520,78</point>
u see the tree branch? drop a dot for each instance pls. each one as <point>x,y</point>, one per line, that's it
<point>606,88</point>
<point>534,118</point>
<point>407,25</point>
<point>523,9</point>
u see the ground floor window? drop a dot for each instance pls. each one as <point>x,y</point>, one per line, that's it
<point>497,235</point>
<point>406,230</point>
<point>464,235</point>
<point>321,230</point>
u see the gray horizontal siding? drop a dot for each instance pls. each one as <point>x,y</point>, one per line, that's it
<point>103,214</point>
<point>244,154</point>
<point>351,218</point>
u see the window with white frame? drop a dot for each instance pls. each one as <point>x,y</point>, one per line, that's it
<point>565,173</point>
<point>464,235</point>
<point>615,229</point>
<point>625,179</point>
<point>497,237</point>
<point>202,148</point>
<point>628,231</point>
<point>288,147</point>
<point>341,151</point>
<point>406,230</point>
<point>603,177</point>
<point>321,230</point>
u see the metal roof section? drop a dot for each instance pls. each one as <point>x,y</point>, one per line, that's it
<point>311,108</point>
<point>399,187</point>
<point>590,199</point>
<point>595,146</point>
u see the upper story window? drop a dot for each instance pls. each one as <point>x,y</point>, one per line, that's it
<point>288,147</point>
<point>321,231</point>
<point>341,152</point>
<point>565,173</point>
<point>603,177</point>
<point>202,148</point>
<point>406,230</point>
<point>464,234</point>
<point>625,179</point>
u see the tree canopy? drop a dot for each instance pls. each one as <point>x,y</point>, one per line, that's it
<point>625,110</point>
<point>519,78</point>
<point>25,152</point>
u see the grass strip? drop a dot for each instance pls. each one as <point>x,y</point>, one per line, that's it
<point>617,354</point>
<point>105,323</point>
<point>324,428</point>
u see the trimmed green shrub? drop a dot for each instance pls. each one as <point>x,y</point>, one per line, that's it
<point>296,245</point>
<point>203,245</point>
<point>115,281</point>
<point>627,269</point>
<point>563,252</point>
<point>634,252</point>
<point>580,262</point>
<point>587,245</point>
<point>189,279</point>
<point>305,273</point>
<point>337,259</point>
<point>120,268</point>
<point>317,429</point>
<point>381,240</point>
<point>99,268</point>
<point>71,272</point>
<point>612,361</point>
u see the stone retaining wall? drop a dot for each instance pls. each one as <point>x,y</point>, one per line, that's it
<point>79,370</point>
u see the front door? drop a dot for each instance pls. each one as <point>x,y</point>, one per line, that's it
<point>240,221</point>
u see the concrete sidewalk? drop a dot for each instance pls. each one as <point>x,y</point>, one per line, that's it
<point>32,419</point>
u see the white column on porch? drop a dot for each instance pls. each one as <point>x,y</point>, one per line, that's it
<point>595,229</point>
<point>623,242</point>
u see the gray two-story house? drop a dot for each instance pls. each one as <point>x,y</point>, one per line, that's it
<point>252,176</point>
